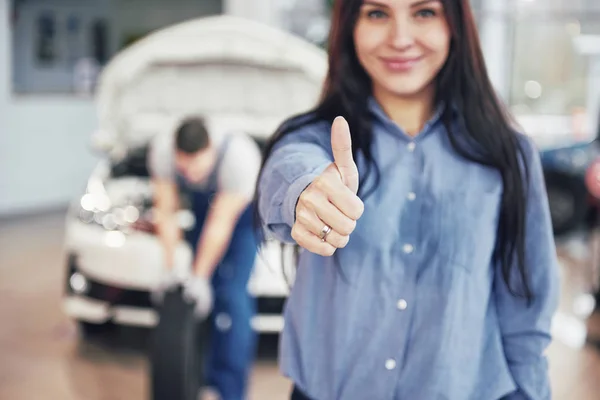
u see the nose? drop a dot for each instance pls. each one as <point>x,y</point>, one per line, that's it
<point>402,35</point>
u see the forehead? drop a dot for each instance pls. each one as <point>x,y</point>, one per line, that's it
<point>189,156</point>
<point>402,3</point>
<point>183,156</point>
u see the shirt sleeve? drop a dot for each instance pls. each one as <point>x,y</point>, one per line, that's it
<point>161,157</point>
<point>241,164</point>
<point>526,329</point>
<point>294,163</point>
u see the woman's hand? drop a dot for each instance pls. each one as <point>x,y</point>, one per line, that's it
<point>327,210</point>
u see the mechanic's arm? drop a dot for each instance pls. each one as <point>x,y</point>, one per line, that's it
<point>526,329</point>
<point>225,211</point>
<point>166,205</point>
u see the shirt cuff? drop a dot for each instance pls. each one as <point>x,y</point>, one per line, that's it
<point>291,198</point>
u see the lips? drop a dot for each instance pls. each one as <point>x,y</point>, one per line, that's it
<point>401,64</point>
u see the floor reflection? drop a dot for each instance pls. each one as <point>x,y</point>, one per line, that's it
<point>42,356</point>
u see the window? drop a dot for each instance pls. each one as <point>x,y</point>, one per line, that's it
<point>550,83</point>
<point>549,74</point>
<point>60,46</point>
<point>45,34</point>
<point>100,41</point>
<point>73,32</point>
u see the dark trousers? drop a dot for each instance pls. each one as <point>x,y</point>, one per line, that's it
<point>232,338</point>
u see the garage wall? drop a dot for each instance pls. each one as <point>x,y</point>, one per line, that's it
<point>45,156</point>
<point>157,14</point>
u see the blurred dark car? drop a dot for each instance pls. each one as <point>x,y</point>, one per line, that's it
<point>565,168</point>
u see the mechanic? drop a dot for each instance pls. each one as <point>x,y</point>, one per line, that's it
<point>219,176</point>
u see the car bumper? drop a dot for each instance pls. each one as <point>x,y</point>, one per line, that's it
<point>96,311</point>
<point>95,302</point>
<point>123,260</point>
<point>134,261</point>
<point>112,283</point>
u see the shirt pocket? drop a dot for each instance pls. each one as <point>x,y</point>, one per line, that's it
<point>466,224</point>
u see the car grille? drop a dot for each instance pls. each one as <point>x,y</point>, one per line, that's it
<point>110,294</point>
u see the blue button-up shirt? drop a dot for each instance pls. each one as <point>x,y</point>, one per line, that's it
<point>419,311</point>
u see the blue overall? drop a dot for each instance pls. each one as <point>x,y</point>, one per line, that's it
<point>232,339</point>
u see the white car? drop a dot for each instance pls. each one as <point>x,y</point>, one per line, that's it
<point>240,76</point>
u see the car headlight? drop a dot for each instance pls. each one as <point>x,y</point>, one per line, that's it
<point>96,207</point>
<point>128,218</point>
<point>114,218</point>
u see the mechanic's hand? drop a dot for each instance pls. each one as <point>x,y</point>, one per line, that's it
<point>330,200</point>
<point>198,289</point>
<point>168,280</point>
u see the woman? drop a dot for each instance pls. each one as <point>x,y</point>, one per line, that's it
<point>428,268</point>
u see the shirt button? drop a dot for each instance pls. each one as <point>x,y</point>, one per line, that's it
<point>402,304</point>
<point>412,196</point>
<point>411,146</point>
<point>408,248</point>
<point>390,364</point>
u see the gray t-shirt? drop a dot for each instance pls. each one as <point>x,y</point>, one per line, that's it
<point>238,170</point>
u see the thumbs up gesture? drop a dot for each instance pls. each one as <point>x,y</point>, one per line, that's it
<point>327,210</point>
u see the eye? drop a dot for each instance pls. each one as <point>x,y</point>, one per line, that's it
<point>426,13</point>
<point>376,14</point>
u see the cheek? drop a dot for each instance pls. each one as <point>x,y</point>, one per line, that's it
<point>438,41</point>
<point>358,44</point>
<point>205,169</point>
<point>366,41</point>
<point>202,169</point>
<point>199,169</point>
<point>182,169</point>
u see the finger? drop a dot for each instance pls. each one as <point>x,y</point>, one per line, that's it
<point>311,242</point>
<point>340,196</point>
<point>341,144</point>
<point>311,221</point>
<point>315,210</point>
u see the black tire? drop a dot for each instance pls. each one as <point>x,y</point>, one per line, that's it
<point>90,330</point>
<point>567,200</point>
<point>176,354</point>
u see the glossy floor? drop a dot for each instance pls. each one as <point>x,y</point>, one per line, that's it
<point>41,356</point>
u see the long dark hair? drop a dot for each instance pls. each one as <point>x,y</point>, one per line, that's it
<point>463,81</point>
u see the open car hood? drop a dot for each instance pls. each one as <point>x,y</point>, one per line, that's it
<point>238,74</point>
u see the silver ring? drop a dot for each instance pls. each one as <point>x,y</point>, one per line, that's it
<point>324,232</point>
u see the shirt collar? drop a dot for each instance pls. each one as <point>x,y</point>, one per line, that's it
<point>382,117</point>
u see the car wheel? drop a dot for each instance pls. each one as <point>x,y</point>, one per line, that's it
<point>566,199</point>
<point>176,355</point>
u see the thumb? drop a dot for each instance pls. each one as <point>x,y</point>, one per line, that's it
<point>341,144</point>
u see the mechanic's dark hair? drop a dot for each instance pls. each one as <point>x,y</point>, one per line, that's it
<point>487,137</point>
<point>191,136</point>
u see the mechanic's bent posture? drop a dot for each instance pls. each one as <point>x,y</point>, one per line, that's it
<point>220,177</point>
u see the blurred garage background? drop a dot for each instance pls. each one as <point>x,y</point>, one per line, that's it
<point>543,57</point>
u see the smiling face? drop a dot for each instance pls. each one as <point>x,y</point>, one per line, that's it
<point>402,44</point>
<point>197,166</point>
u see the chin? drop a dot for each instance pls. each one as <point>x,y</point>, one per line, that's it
<point>196,180</point>
<point>405,92</point>
<point>405,87</point>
